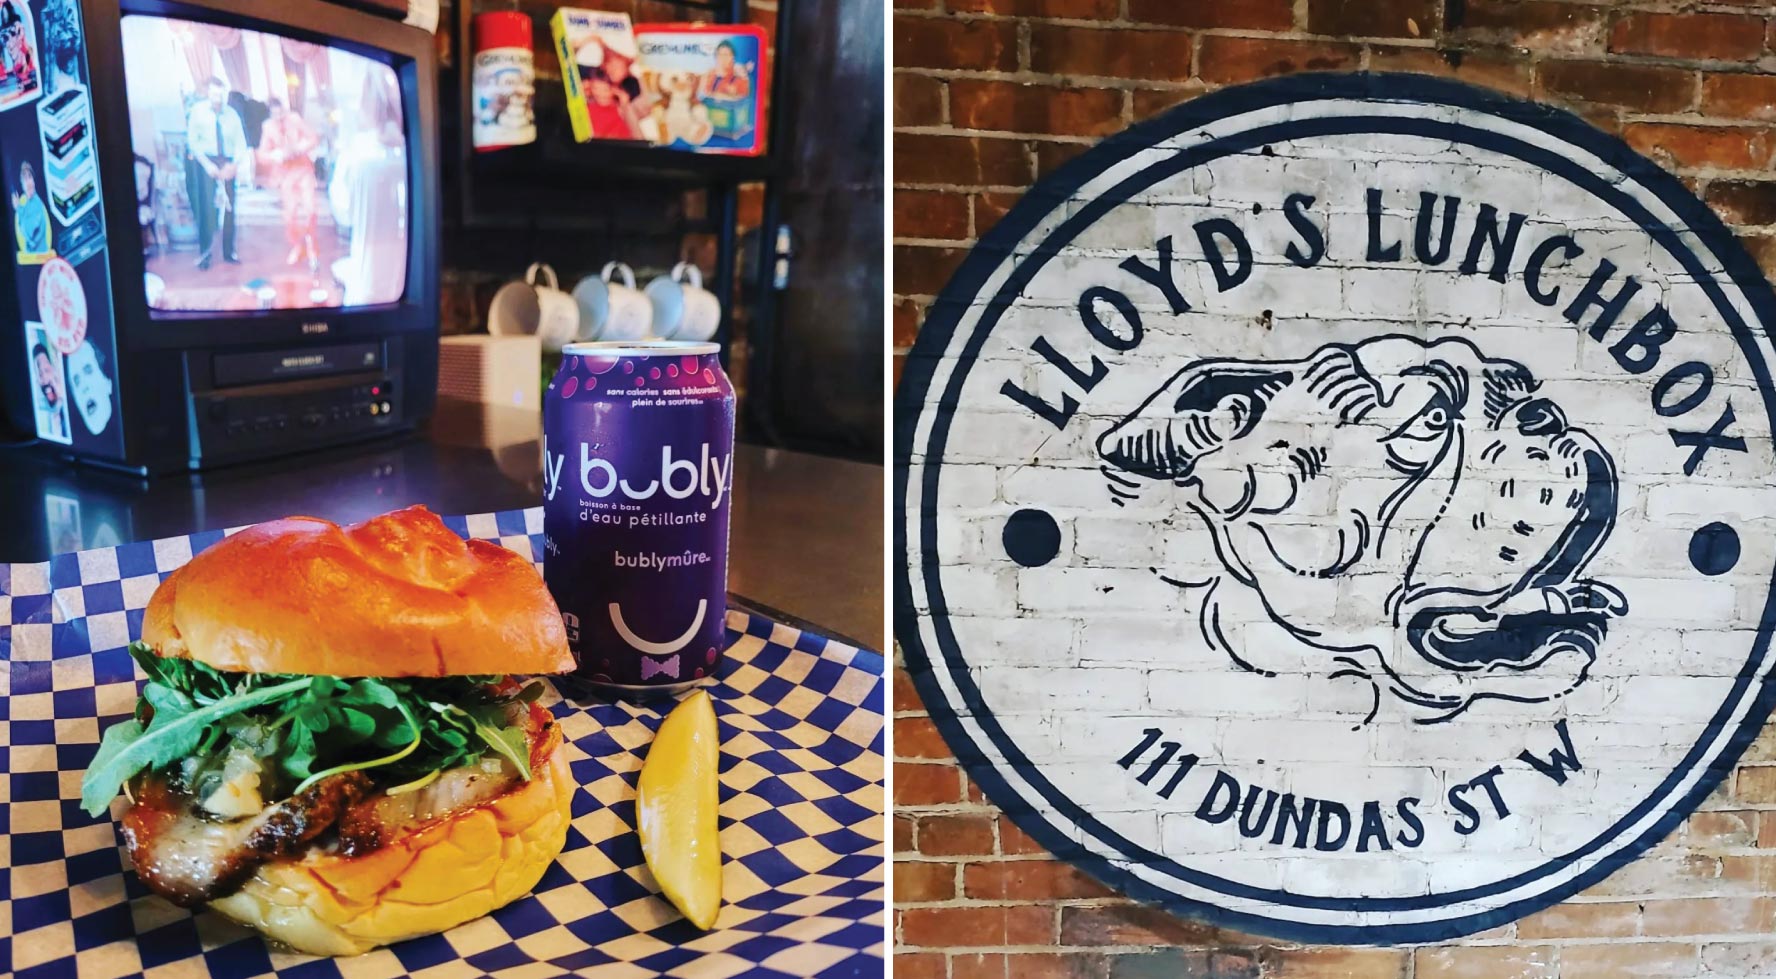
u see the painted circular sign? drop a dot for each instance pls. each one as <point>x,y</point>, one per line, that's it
<point>61,302</point>
<point>1341,508</point>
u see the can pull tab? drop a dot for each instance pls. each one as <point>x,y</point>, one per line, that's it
<point>784,251</point>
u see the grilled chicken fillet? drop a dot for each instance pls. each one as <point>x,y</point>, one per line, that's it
<point>193,858</point>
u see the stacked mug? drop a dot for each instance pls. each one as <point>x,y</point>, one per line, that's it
<point>609,310</point>
<point>682,308</point>
<point>606,306</point>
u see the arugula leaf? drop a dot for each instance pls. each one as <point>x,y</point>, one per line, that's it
<point>211,737</point>
<point>164,740</point>
<point>304,728</point>
<point>299,754</point>
<point>508,741</point>
<point>372,763</point>
<point>200,682</point>
<point>169,704</point>
<point>117,737</point>
<point>358,724</point>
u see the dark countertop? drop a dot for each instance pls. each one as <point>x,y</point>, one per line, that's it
<point>805,543</point>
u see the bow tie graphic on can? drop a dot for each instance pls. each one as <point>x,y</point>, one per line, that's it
<point>667,667</point>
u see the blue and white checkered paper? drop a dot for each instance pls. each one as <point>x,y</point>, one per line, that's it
<point>801,810</point>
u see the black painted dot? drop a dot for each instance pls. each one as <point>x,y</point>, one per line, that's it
<point>1032,538</point>
<point>1714,549</point>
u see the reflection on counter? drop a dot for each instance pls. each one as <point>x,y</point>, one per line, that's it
<point>806,537</point>
<point>512,436</point>
<point>65,508</point>
<point>470,458</point>
<point>61,514</point>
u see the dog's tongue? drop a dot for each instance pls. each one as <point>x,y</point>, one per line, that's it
<point>1459,638</point>
<point>1500,583</point>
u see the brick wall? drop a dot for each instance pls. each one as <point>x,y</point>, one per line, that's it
<point>992,94</point>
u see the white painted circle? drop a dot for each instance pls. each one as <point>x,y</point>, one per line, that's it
<point>1202,589</point>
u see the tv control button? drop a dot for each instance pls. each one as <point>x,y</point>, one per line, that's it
<point>312,420</point>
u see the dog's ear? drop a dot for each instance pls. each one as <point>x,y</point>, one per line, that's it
<point>1232,398</point>
<point>1202,408</point>
<point>1505,384</point>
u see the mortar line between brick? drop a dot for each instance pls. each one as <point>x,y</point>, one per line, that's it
<point>996,134</point>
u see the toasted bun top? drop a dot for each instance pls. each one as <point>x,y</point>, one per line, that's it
<point>396,595</point>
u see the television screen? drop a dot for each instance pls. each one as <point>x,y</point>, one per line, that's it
<point>271,173</point>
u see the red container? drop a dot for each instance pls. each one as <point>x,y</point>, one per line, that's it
<point>502,80</point>
<point>502,29</point>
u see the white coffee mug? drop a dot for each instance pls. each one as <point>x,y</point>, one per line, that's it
<point>613,310</point>
<point>683,311</point>
<point>532,308</point>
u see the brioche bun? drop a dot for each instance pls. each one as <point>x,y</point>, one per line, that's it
<point>397,595</point>
<point>454,870</point>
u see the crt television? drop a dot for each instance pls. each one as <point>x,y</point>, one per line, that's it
<point>220,227</point>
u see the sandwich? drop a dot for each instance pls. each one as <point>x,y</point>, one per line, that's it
<point>331,746</point>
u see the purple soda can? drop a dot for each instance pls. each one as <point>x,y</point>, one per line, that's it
<point>638,467</point>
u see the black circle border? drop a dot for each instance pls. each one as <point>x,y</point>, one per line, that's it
<point>989,254</point>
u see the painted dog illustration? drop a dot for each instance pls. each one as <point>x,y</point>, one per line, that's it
<point>1422,481</point>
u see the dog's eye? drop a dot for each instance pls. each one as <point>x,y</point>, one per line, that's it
<point>1429,425</point>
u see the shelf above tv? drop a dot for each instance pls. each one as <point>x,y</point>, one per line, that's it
<point>564,162</point>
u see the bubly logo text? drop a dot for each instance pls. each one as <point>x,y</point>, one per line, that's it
<point>710,476</point>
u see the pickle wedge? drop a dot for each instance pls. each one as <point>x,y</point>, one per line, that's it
<point>675,810</point>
